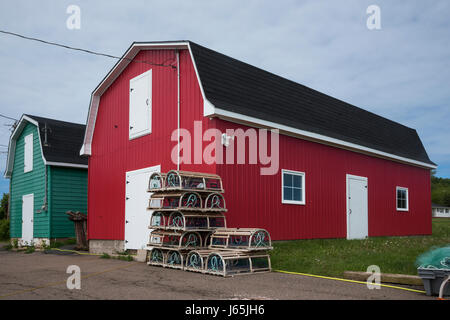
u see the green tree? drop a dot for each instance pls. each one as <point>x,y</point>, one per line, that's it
<point>4,206</point>
<point>446,199</point>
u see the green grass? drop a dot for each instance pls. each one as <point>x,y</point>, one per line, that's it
<point>58,244</point>
<point>331,257</point>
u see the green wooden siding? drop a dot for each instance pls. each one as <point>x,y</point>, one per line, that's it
<point>68,192</point>
<point>27,183</point>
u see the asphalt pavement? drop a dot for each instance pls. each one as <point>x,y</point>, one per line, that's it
<point>44,276</point>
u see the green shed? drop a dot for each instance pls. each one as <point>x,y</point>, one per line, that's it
<point>48,177</point>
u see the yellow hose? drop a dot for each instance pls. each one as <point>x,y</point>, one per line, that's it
<point>348,280</point>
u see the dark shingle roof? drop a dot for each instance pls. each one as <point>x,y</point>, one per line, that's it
<point>435,205</point>
<point>64,140</point>
<point>236,86</point>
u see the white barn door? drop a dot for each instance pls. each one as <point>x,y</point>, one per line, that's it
<point>140,105</point>
<point>137,217</point>
<point>27,218</point>
<point>357,207</point>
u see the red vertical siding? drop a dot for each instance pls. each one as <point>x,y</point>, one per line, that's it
<point>255,200</point>
<point>113,154</point>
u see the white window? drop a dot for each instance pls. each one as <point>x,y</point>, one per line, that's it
<point>402,199</point>
<point>28,153</point>
<point>140,112</point>
<point>292,187</point>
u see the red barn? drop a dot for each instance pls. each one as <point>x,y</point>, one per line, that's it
<point>334,170</point>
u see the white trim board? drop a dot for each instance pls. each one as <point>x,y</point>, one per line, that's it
<point>315,137</point>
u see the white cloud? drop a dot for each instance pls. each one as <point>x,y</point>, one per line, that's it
<point>401,71</point>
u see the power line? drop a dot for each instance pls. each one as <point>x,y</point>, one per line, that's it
<point>85,50</point>
<point>6,117</point>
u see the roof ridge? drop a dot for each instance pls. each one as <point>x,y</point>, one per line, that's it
<point>55,120</point>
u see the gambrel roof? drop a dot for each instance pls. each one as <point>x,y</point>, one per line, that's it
<point>239,92</point>
<point>60,142</point>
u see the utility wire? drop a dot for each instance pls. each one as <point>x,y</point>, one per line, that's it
<point>6,117</point>
<point>85,50</point>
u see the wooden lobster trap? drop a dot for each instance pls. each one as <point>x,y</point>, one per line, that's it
<point>196,260</point>
<point>230,263</point>
<point>189,201</point>
<point>156,182</point>
<point>241,239</point>
<point>171,258</point>
<point>159,220</point>
<point>175,201</point>
<point>156,257</point>
<point>175,239</point>
<point>195,221</point>
<point>183,180</point>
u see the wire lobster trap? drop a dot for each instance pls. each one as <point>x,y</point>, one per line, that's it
<point>230,263</point>
<point>170,258</point>
<point>183,180</point>
<point>196,260</point>
<point>174,239</point>
<point>195,221</point>
<point>241,239</point>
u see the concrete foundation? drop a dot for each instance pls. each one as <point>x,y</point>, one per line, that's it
<point>36,242</point>
<point>141,255</point>
<point>106,246</point>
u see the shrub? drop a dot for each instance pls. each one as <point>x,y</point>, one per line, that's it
<point>4,229</point>
<point>4,206</point>
<point>105,256</point>
<point>125,258</point>
<point>30,249</point>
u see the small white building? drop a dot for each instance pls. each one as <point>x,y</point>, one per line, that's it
<point>439,211</point>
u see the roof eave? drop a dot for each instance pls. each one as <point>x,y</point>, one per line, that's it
<point>307,135</point>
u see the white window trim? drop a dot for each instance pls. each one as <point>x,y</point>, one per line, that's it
<point>298,173</point>
<point>149,130</point>
<point>25,153</point>
<point>407,199</point>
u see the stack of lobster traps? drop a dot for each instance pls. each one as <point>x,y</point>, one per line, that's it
<point>189,229</point>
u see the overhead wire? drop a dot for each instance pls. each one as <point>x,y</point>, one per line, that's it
<point>85,50</point>
<point>9,118</point>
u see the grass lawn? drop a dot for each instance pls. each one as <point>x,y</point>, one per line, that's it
<point>331,257</point>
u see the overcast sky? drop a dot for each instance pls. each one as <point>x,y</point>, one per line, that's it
<point>401,71</point>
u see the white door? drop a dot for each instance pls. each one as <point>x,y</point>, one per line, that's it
<point>137,217</point>
<point>27,218</point>
<point>140,111</point>
<point>357,207</point>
